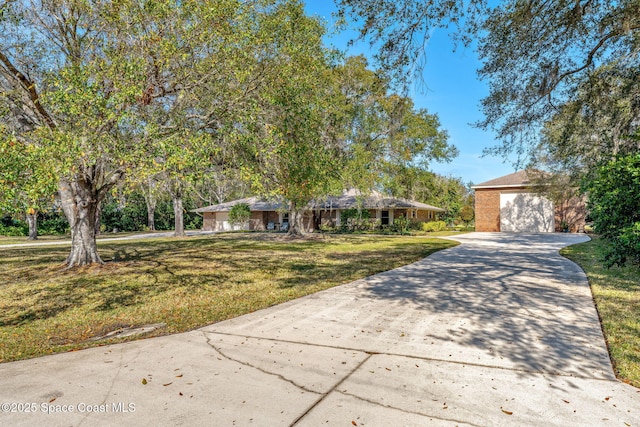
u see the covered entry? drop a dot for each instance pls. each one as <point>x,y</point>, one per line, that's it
<point>526,213</point>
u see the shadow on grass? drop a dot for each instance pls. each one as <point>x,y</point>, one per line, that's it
<point>36,287</point>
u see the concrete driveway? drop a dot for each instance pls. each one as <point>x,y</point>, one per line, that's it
<point>500,330</point>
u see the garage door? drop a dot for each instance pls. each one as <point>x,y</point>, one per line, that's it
<point>526,213</point>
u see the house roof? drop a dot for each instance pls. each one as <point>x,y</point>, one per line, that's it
<point>349,199</point>
<point>374,200</point>
<point>517,179</point>
<point>255,204</point>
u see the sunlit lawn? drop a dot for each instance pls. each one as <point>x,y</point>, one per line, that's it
<point>185,283</point>
<point>12,240</point>
<point>617,295</point>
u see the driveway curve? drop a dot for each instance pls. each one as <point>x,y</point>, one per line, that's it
<point>500,330</point>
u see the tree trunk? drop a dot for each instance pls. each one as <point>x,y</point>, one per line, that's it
<point>80,199</point>
<point>296,223</point>
<point>179,216</point>
<point>148,191</point>
<point>32,220</point>
<point>98,214</point>
<point>80,207</point>
<point>151,217</point>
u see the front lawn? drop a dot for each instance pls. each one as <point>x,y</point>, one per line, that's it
<point>616,292</point>
<point>184,283</point>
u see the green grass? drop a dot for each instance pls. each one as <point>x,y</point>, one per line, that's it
<point>185,283</point>
<point>616,292</point>
<point>10,240</point>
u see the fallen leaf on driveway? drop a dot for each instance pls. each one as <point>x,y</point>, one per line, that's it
<point>144,381</point>
<point>354,423</point>
<point>507,412</point>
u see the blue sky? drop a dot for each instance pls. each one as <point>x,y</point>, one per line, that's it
<point>452,90</point>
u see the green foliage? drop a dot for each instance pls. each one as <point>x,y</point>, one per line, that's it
<point>384,131</point>
<point>132,214</point>
<point>355,219</point>
<point>434,226</point>
<point>614,204</point>
<point>13,228</point>
<point>239,214</point>
<point>467,214</point>
<point>130,217</point>
<point>350,213</point>
<point>568,68</point>
<point>417,183</point>
<point>52,223</point>
<point>400,225</point>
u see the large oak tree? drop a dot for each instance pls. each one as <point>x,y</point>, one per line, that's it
<point>100,90</point>
<point>537,56</point>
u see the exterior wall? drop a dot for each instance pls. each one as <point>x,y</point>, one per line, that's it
<point>487,207</point>
<point>573,212</point>
<point>426,216</point>
<point>208,220</point>
<point>487,210</point>
<point>256,221</point>
<point>219,221</point>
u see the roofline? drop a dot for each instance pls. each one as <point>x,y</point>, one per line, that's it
<point>475,187</point>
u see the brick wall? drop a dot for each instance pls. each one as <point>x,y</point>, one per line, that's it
<point>573,212</point>
<point>487,210</point>
<point>426,216</point>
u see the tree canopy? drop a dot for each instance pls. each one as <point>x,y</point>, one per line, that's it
<point>97,96</point>
<point>541,59</point>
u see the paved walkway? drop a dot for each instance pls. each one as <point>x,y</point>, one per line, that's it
<point>500,330</point>
<point>104,238</point>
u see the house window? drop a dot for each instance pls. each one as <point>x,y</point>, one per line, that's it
<point>384,218</point>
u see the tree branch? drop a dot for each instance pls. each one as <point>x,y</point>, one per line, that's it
<point>30,88</point>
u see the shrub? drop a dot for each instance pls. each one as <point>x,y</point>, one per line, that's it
<point>467,214</point>
<point>54,223</point>
<point>415,225</point>
<point>614,204</point>
<point>17,230</point>
<point>239,214</point>
<point>327,228</point>
<point>400,225</point>
<point>355,220</point>
<point>434,226</point>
